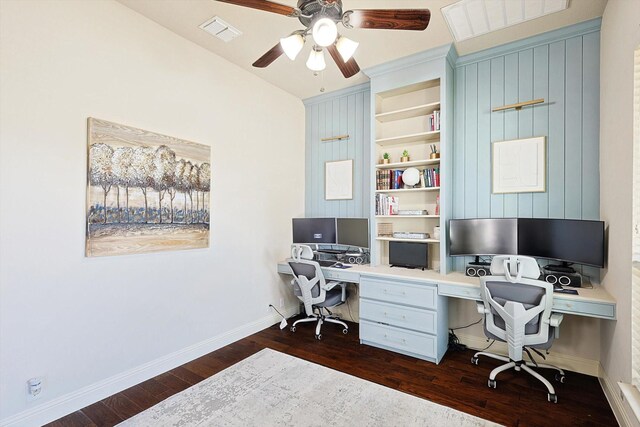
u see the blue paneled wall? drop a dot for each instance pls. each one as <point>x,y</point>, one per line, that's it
<point>563,68</point>
<point>342,113</point>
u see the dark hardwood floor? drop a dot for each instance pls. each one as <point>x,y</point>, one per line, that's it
<point>519,400</point>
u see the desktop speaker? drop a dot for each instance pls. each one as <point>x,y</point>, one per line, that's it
<point>564,279</point>
<point>478,270</point>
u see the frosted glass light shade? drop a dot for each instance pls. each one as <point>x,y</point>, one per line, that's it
<point>292,45</point>
<point>316,60</point>
<point>346,47</point>
<point>411,176</point>
<point>325,32</point>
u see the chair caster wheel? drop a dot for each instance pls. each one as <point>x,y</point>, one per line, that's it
<point>492,384</point>
<point>474,360</point>
<point>560,378</point>
<point>292,329</point>
<point>552,398</point>
<point>345,331</point>
<point>319,337</point>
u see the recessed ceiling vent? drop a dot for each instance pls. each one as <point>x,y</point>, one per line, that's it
<point>472,18</point>
<point>217,27</point>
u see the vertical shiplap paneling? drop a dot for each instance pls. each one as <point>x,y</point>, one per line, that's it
<point>497,124</point>
<point>458,151</point>
<point>352,153</point>
<point>590,127</point>
<point>484,139</point>
<point>525,119</point>
<point>541,119</point>
<point>510,120</point>
<point>556,139</point>
<point>573,129</point>
<point>366,147</point>
<point>471,142</point>
<point>340,115</point>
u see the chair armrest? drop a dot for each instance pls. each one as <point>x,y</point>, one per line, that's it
<point>480,308</point>
<point>330,285</point>
<point>555,319</point>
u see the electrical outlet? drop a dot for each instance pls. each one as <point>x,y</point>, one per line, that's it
<point>34,388</point>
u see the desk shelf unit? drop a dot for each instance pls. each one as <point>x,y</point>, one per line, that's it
<point>402,122</point>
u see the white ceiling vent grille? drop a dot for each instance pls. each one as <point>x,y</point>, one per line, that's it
<point>472,18</point>
<point>222,30</point>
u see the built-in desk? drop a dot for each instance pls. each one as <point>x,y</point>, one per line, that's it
<point>405,310</point>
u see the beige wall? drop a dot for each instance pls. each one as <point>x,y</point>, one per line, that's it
<point>620,36</point>
<point>77,321</point>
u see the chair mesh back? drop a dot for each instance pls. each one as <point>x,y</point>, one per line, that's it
<point>529,296</point>
<point>308,271</point>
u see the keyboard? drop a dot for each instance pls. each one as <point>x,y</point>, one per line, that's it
<point>326,263</point>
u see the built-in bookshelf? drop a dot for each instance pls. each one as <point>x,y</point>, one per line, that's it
<point>407,118</point>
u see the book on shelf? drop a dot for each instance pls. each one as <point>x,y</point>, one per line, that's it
<point>434,121</point>
<point>386,205</point>
<point>431,177</point>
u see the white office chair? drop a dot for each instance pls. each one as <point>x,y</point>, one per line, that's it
<point>517,310</point>
<point>310,286</point>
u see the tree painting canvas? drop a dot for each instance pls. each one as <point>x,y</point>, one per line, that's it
<point>146,192</point>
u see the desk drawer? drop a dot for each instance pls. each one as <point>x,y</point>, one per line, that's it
<point>424,296</point>
<point>340,275</point>
<point>391,337</point>
<point>585,308</point>
<point>457,291</point>
<point>404,317</point>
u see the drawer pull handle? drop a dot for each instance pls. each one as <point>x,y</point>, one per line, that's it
<point>403,293</point>
<point>403,317</point>
<point>401,341</point>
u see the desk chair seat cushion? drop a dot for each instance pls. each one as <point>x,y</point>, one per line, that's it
<point>529,296</point>
<point>334,297</point>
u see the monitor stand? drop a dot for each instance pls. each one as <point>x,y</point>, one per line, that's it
<point>477,262</point>
<point>565,267</point>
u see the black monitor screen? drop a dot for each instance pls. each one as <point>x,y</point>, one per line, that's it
<point>409,254</point>
<point>490,236</point>
<point>314,230</point>
<point>353,232</point>
<point>567,240</point>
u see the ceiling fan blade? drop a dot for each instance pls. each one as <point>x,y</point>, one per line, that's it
<point>349,68</point>
<point>267,6</point>
<point>266,59</point>
<point>390,19</point>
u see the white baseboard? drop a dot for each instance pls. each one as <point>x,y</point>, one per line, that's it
<point>570,363</point>
<point>63,405</point>
<point>621,409</point>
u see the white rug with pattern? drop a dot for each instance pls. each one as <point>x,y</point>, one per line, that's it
<point>275,389</point>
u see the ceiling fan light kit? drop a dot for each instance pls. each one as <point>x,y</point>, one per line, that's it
<point>316,59</point>
<point>320,19</point>
<point>292,45</point>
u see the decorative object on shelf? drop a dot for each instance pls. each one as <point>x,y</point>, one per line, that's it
<point>320,19</point>
<point>335,138</point>
<point>436,232</point>
<point>405,156</point>
<point>338,180</point>
<point>386,158</point>
<point>410,235</point>
<point>413,212</point>
<point>434,152</point>
<point>519,166</point>
<point>519,105</point>
<point>385,229</point>
<point>146,192</point>
<point>411,177</point>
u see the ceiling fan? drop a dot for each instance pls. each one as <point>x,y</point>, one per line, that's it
<point>320,19</point>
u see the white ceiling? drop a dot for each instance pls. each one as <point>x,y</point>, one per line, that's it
<point>262,30</point>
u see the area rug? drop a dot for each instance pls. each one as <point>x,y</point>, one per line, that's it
<point>275,389</point>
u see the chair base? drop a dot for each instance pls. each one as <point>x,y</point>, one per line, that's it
<point>524,366</point>
<point>320,319</point>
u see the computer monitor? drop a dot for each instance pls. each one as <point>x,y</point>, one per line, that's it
<point>488,236</point>
<point>353,232</point>
<point>566,240</point>
<point>314,230</point>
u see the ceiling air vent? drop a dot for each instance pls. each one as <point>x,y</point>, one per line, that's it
<point>220,29</point>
